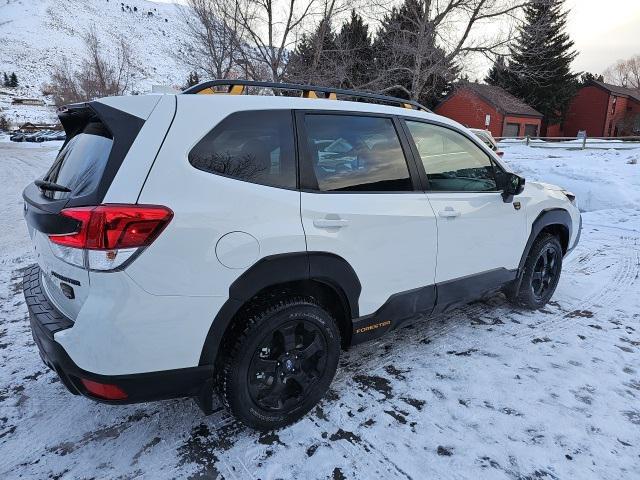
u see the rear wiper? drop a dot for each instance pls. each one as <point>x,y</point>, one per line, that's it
<point>54,187</point>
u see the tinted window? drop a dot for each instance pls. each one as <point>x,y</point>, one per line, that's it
<point>80,164</point>
<point>352,153</point>
<point>252,146</point>
<point>451,160</point>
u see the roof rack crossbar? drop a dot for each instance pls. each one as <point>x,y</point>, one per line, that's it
<point>237,87</point>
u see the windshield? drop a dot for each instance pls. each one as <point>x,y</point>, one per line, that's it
<point>80,164</point>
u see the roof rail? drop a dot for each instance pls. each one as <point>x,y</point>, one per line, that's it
<point>238,87</point>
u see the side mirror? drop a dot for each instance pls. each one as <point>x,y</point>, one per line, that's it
<point>510,184</point>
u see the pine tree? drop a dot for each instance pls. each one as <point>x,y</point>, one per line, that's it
<point>587,77</point>
<point>13,80</point>
<point>5,80</point>
<point>541,60</point>
<point>500,75</point>
<point>407,55</point>
<point>314,59</point>
<point>192,80</point>
<point>355,52</point>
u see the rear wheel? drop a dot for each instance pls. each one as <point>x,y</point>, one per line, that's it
<point>541,273</point>
<point>281,364</point>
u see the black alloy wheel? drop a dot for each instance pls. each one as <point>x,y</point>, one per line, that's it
<point>279,362</point>
<point>287,364</point>
<point>545,271</point>
<point>540,274</point>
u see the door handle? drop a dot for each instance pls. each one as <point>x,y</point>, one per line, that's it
<point>449,212</point>
<point>330,222</point>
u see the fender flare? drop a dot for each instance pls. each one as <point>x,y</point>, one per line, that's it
<point>279,269</point>
<point>549,216</point>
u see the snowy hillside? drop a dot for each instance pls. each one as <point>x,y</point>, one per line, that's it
<point>35,35</point>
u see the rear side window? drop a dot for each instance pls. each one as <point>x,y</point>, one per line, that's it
<point>254,146</point>
<point>80,164</point>
<point>356,153</point>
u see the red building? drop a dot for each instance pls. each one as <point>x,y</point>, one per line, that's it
<point>603,110</point>
<point>484,106</point>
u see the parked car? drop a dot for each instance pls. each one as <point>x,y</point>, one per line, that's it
<point>42,136</point>
<point>488,140</point>
<point>31,137</point>
<point>17,137</point>
<point>191,244</point>
<point>48,136</point>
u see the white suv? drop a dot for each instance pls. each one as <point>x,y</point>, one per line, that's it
<point>190,243</point>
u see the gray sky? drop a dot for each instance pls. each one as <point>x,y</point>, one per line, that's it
<point>603,30</point>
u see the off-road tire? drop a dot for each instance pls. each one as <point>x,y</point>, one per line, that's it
<point>236,361</point>
<point>525,296</point>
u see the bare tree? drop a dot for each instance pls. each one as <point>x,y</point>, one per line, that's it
<point>625,73</point>
<point>212,43</point>
<point>424,39</point>
<point>272,27</point>
<point>98,75</point>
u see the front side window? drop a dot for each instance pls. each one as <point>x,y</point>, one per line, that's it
<point>453,163</point>
<point>254,146</point>
<point>356,153</point>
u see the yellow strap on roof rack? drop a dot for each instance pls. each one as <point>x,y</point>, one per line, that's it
<point>238,87</point>
<point>232,90</point>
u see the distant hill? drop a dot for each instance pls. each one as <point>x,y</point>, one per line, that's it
<point>35,35</point>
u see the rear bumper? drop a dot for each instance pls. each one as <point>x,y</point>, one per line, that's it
<point>46,321</point>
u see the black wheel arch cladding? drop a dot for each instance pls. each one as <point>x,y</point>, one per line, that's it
<point>282,269</point>
<point>547,218</point>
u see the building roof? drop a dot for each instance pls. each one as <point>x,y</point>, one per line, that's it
<point>498,98</point>
<point>617,90</point>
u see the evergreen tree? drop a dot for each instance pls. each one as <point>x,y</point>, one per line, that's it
<point>5,80</point>
<point>587,77</point>
<point>541,60</point>
<point>192,80</point>
<point>500,75</point>
<point>407,55</point>
<point>355,53</point>
<point>314,59</point>
<point>13,80</point>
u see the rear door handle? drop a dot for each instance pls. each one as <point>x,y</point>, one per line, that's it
<point>449,212</point>
<point>330,222</point>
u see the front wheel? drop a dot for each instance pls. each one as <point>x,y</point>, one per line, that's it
<point>541,273</point>
<point>281,364</point>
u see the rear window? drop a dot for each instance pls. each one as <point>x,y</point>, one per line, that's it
<point>81,162</point>
<point>253,146</point>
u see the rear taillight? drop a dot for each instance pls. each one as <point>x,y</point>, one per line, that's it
<point>109,234</point>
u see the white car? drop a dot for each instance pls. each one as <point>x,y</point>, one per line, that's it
<point>196,244</point>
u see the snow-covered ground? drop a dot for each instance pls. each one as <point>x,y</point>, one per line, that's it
<point>487,391</point>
